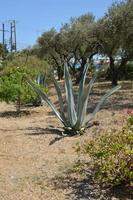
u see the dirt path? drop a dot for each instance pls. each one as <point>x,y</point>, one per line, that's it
<point>30,155</point>
<point>32,152</point>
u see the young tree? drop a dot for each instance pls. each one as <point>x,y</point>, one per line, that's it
<point>13,88</point>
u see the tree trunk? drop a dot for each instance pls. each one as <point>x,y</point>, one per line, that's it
<point>60,73</point>
<point>78,78</point>
<point>114,72</point>
<point>123,62</point>
<point>18,105</point>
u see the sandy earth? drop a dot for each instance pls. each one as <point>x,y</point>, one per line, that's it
<point>32,152</point>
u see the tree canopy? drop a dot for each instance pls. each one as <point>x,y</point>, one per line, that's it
<point>83,37</point>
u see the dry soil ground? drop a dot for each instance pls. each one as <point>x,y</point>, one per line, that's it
<point>33,154</point>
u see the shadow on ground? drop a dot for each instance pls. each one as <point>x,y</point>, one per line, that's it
<point>122,99</point>
<point>13,114</point>
<point>42,131</point>
<point>110,105</point>
<point>86,189</point>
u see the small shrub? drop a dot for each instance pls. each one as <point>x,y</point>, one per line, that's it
<point>112,156</point>
<point>14,89</point>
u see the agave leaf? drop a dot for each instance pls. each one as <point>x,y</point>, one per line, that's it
<point>72,115</point>
<point>83,102</point>
<point>45,98</point>
<point>103,99</point>
<point>58,90</point>
<point>81,87</point>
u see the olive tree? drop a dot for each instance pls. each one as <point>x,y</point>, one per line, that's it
<point>75,40</point>
<point>115,34</point>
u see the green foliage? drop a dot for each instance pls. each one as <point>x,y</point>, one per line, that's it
<point>130,121</point>
<point>126,71</point>
<point>1,50</point>
<point>13,88</point>
<point>77,118</point>
<point>74,42</point>
<point>30,61</point>
<point>2,64</point>
<point>83,37</point>
<point>111,156</point>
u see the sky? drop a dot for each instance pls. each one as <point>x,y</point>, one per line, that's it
<point>33,17</point>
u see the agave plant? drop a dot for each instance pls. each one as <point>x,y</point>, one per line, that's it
<point>77,118</point>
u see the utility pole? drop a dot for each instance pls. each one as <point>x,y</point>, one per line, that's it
<point>13,45</point>
<point>3,38</point>
<point>15,35</point>
<point>3,35</point>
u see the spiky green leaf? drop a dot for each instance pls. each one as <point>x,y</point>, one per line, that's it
<point>60,98</point>
<point>72,115</point>
<point>45,98</point>
<point>82,86</point>
<point>83,103</point>
<point>103,99</point>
